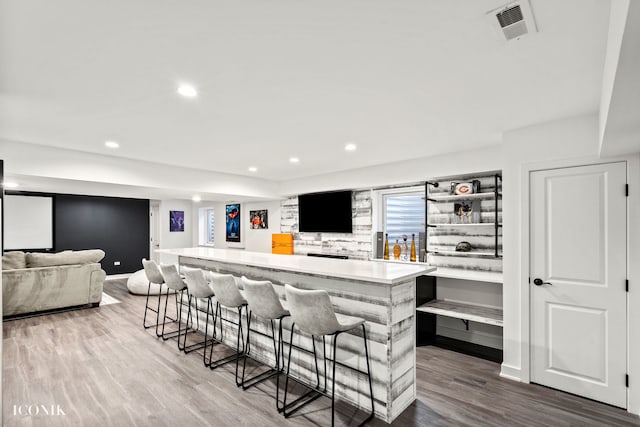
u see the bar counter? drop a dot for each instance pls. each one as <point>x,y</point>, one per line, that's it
<point>381,293</point>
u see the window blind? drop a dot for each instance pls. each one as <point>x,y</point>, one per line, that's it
<point>404,214</point>
<point>210,227</point>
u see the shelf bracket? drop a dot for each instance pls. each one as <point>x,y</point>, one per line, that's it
<point>466,323</point>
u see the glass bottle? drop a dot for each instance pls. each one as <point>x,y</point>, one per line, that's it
<point>396,250</point>
<point>413,248</point>
<point>386,246</point>
<point>405,249</point>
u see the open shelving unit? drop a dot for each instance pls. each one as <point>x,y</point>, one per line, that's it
<point>496,195</point>
<point>469,253</point>
<point>483,263</point>
<point>468,312</point>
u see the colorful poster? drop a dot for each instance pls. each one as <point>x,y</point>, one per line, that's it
<point>233,223</point>
<point>176,220</point>
<point>259,220</point>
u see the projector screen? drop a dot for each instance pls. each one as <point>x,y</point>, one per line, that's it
<point>28,222</point>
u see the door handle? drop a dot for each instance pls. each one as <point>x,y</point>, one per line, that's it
<point>539,282</point>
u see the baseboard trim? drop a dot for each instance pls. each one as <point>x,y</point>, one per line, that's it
<point>511,373</point>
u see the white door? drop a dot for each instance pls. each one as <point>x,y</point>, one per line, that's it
<point>578,250</point>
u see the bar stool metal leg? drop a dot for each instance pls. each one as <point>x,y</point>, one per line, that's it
<point>276,370</point>
<point>196,346</point>
<point>177,333</point>
<point>310,395</point>
<point>213,364</point>
<point>313,312</point>
<point>154,275</point>
<point>206,333</point>
<point>148,308</point>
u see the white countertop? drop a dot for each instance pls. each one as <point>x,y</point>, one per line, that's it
<point>388,273</point>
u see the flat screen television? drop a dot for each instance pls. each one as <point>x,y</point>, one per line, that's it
<point>325,212</point>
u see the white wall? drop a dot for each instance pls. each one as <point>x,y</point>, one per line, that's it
<point>617,22</point>
<point>176,239</point>
<point>260,240</point>
<point>251,240</point>
<point>620,100</point>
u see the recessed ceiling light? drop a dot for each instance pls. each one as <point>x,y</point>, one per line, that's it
<point>294,160</point>
<point>10,185</point>
<point>350,147</point>
<point>253,169</point>
<point>196,198</point>
<point>187,91</point>
<point>111,144</point>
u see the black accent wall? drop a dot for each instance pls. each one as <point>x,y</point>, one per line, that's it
<point>118,226</point>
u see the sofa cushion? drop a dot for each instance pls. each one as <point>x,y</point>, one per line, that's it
<point>64,258</point>
<point>14,260</point>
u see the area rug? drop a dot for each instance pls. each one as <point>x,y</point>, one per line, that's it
<point>108,299</point>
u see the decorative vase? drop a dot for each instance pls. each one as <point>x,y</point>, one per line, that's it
<point>405,249</point>
<point>396,250</point>
<point>386,246</point>
<point>413,248</point>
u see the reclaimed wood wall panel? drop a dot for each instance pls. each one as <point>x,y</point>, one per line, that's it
<point>356,245</point>
<point>481,237</point>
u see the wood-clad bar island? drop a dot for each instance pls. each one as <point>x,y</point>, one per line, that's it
<point>381,293</point>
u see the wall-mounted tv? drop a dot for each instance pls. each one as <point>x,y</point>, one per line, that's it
<point>325,212</point>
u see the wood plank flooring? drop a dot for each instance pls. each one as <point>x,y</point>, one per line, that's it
<point>103,369</point>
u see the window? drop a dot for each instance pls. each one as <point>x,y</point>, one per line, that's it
<point>209,227</point>
<point>403,213</point>
<point>206,233</point>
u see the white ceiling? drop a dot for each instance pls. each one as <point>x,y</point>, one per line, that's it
<point>402,79</point>
<point>621,132</point>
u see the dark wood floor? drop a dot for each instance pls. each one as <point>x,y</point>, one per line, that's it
<point>102,368</point>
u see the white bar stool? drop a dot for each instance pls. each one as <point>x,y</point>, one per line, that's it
<point>154,275</point>
<point>227,296</point>
<point>174,283</point>
<point>199,288</point>
<point>264,302</point>
<point>313,314</point>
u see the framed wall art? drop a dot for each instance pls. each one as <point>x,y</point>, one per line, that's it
<point>233,222</point>
<point>259,220</point>
<point>176,220</point>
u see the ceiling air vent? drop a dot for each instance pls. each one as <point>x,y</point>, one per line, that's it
<point>513,20</point>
